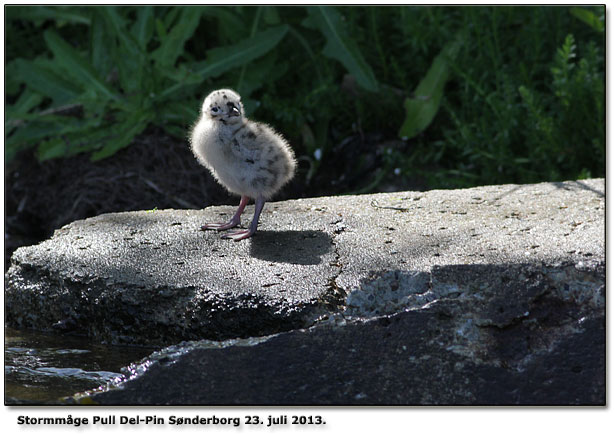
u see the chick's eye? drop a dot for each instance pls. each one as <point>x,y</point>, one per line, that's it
<point>214,109</point>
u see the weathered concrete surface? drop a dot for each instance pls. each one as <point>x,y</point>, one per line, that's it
<point>492,292</point>
<point>154,278</point>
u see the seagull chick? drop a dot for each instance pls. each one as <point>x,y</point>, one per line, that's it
<point>248,158</point>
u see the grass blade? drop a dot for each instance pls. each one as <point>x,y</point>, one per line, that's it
<point>340,46</point>
<point>31,134</point>
<point>177,112</point>
<point>15,113</point>
<point>172,46</point>
<point>123,134</point>
<point>117,26</point>
<point>40,76</point>
<point>75,65</point>
<point>144,26</point>
<point>100,47</point>
<point>26,102</point>
<point>127,55</point>
<point>53,148</point>
<point>220,60</point>
<point>226,18</point>
<point>60,14</point>
<point>597,23</point>
<point>420,110</point>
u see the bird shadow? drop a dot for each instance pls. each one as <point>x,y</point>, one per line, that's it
<point>293,247</point>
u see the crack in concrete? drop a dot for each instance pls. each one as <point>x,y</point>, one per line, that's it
<point>334,298</point>
<point>341,293</point>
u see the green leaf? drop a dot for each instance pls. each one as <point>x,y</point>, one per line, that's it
<point>587,16</point>
<point>561,72</point>
<point>83,136</point>
<point>226,21</point>
<point>41,76</point>
<point>53,148</point>
<point>172,46</point>
<point>144,26</point>
<point>160,29</point>
<point>127,55</point>
<point>180,74</point>
<point>340,46</point>
<point>75,65</point>
<point>170,15</point>
<point>259,71</point>
<point>123,134</point>
<point>220,60</point>
<point>100,53</point>
<point>28,135</point>
<point>49,127</point>
<point>271,16</point>
<point>15,113</point>
<point>39,126</point>
<point>117,26</point>
<point>178,112</point>
<point>42,13</point>
<point>26,102</point>
<point>424,105</point>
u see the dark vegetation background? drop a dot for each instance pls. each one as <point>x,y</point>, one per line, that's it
<point>99,100</point>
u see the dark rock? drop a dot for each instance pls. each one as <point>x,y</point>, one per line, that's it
<point>455,351</point>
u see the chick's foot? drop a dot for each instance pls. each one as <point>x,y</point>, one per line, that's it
<point>246,233</point>
<point>234,221</point>
<point>238,235</point>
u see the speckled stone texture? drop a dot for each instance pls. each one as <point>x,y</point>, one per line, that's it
<point>390,360</point>
<point>153,278</point>
<point>489,295</point>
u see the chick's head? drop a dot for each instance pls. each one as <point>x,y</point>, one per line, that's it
<point>223,105</point>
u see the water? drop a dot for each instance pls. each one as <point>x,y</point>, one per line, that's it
<point>42,368</point>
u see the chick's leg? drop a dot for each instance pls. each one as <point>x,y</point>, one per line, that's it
<point>234,221</point>
<point>243,234</point>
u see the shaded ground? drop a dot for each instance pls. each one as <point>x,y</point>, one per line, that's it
<point>159,171</point>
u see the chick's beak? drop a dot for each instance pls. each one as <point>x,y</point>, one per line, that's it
<point>233,110</point>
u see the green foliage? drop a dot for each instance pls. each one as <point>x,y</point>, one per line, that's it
<point>597,22</point>
<point>524,102</point>
<point>340,46</point>
<point>423,105</point>
<point>220,60</point>
<point>129,74</point>
<point>562,120</point>
<point>480,94</point>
